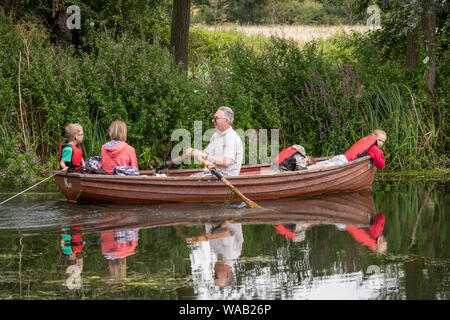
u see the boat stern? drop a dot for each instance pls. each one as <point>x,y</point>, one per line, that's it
<point>69,185</point>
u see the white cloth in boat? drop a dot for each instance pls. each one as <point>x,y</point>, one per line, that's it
<point>226,144</point>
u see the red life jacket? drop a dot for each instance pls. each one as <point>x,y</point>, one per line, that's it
<point>285,231</point>
<point>286,158</point>
<point>77,154</point>
<point>360,148</point>
<point>286,153</point>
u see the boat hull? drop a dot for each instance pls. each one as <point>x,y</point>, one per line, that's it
<point>255,182</point>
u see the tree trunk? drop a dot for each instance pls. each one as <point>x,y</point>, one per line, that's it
<point>179,37</point>
<point>412,56</point>
<point>428,20</point>
<point>63,35</point>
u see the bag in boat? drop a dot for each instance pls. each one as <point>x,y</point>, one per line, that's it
<point>125,171</point>
<point>93,161</point>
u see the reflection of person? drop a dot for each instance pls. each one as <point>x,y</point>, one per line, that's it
<point>117,152</point>
<point>70,248</point>
<point>369,145</point>
<point>225,150</point>
<point>371,237</point>
<point>71,241</point>
<point>294,232</point>
<point>116,246</point>
<point>226,244</point>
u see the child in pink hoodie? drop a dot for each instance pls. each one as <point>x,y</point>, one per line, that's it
<point>117,152</point>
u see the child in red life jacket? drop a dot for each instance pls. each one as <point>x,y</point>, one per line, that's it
<point>293,158</point>
<point>369,145</point>
<point>70,152</point>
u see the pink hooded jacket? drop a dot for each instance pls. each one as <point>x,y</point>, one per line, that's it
<point>117,153</point>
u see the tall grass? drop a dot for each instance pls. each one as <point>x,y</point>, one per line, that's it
<point>95,135</point>
<point>388,108</point>
<point>7,146</point>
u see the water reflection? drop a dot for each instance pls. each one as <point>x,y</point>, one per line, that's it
<point>70,247</point>
<point>224,243</point>
<point>117,245</point>
<point>372,236</point>
<point>331,247</point>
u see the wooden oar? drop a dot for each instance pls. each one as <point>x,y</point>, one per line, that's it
<point>213,170</point>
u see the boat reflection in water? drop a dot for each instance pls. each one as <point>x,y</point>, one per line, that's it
<point>217,247</point>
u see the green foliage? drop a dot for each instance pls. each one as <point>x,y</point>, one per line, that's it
<point>324,96</point>
<point>144,19</point>
<point>22,170</point>
<point>124,79</point>
<point>8,146</point>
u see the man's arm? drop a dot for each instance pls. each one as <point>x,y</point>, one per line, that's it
<point>216,160</point>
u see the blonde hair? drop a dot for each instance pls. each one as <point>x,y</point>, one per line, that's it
<point>118,130</point>
<point>72,129</point>
<point>377,132</point>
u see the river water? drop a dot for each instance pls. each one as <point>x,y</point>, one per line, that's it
<point>390,243</point>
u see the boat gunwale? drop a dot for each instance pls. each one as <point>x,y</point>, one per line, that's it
<point>310,172</point>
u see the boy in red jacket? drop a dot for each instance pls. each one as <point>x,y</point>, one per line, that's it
<point>70,152</point>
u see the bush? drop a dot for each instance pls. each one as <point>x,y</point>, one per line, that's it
<point>324,96</point>
<point>124,79</point>
<point>22,170</point>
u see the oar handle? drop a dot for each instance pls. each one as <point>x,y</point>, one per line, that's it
<point>219,176</point>
<point>168,164</point>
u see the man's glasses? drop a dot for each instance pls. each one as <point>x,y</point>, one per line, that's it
<point>217,118</point>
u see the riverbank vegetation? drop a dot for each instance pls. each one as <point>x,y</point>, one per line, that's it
<point>323,94</point>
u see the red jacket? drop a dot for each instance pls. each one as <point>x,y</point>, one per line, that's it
<point>377,157</point>
<point>120,154</point>
<point>367,146</point>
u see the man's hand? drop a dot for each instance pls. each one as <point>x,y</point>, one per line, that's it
<point>194,153</point>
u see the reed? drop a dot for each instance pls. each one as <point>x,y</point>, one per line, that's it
<point>95,135</point>
<point>7,146</point>
<point>390,110</point>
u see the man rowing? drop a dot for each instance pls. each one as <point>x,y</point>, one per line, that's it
<point>225,150</point>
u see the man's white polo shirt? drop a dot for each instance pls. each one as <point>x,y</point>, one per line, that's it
<point>227,144</point>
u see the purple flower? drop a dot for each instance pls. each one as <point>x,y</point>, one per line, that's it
<point>346,88</point>
<point>307,90</point>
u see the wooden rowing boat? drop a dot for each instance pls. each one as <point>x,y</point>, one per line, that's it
<point>256,182</point>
